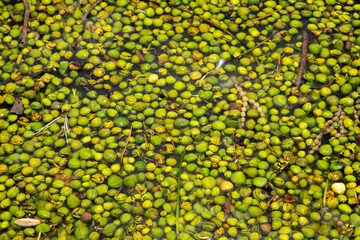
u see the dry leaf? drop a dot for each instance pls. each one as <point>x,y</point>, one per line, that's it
<point>27,222</point>
<point>235,106</point>
<point>139,54</point>
<point>357,138</point>
<point>227,207</point>
<point>17,107</point>
<point>66,178</point>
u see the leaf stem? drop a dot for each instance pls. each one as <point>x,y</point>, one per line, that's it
<point>178,197</point>
<point>89,10</point>
<point>325,191</point>
<point>26,22</point>
<point>303,56</point>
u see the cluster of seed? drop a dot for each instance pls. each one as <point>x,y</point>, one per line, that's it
<point>340,120</point>
<point>245,103</point>
<point>356,117</point>
<point>329,127</point>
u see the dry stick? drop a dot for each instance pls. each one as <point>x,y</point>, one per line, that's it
<point>209,72</point>
<point>177,214</point>
<point>171,137</point>
<point>263,211</point>
<point>212,23</point>
<point>259,18</point>
<point>258,45</point>
<point>122,156</point>
<point>26,22</point>
<point>123,152</point>
<point>114,61</point>
<point>303,56</point>
<point>89,10</point>
<point>132,11</point>
<point>325,191</point>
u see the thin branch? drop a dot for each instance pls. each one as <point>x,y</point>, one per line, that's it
<point>239,56</point>
<point>303,57</point>
<point>171,137</point>
<point>263,211</point>
<point>258,45</point>
<point>132,11</point>
<point>66,129</point>
<point>259,18</point>
<point>227,207</point>
<point>177,216</point>
<point>89,10</point>
<point>46,126</point>
<point>26,22</point>
<point>123,152</point>
<point>325,191</point>
<point>114,61</point>
<point>212,23</point>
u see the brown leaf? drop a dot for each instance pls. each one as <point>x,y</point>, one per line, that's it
<point>66,178</point>
<point>235,106</point>
<point>227,207</point>
<point>154,4</point>
<point>17,107</point>
<point>75,66</point>
<point>357,138</point>
<point>139,54</point>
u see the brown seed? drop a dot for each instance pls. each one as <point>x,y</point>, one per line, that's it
<point>266,227</point>
<point>289,198</point>
<point>21,184</point>
<point>86,216</point>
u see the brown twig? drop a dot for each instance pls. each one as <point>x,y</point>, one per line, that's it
<point>227,207</point>
<point>303,56</point>
<point>173,175</point>
<point>171,137</point>
<point>114,61</point>
<point>259,18</point>
<point>123,152</point>
<point>239,56</point>
<point>89,10</point>
<point>132,11</point>
<point>263,211</point>
<point>26,22</point>
<point>212,23</point>
<point>258,45</point>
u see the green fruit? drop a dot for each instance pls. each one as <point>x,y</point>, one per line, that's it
<point>208,182</point>
<point>326,150</point>
<point>82,232</point>
<point>280,100</point>
<point>315,48</point>
<point>110,155</point>
<point>121,122</point>
<point>238,178</point>
<point>74,163</point>
<point>109,229</point>
<point>43,227</point>
<point>114,181</point>
<point>218,125</point>
<point>345,208</point>
<point>43,213</point>
<point>181,123</point>
<point>130,181</point>
<point>72,201</point>
<point>82,54</point>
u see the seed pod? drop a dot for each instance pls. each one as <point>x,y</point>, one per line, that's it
<point>27,222</point>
